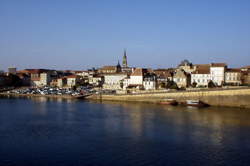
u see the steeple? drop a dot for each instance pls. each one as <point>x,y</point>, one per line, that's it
<point>118,64</point>
<point>124,60</point>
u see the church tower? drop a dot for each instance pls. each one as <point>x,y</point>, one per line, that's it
<point>124,60</point>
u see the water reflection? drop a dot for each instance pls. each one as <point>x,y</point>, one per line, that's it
<point>43,131</point>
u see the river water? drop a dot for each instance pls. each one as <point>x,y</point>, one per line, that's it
<point>41,131</point>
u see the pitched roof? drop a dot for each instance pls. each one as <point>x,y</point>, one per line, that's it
<point>71,76</point>
<point>218,64</point>
<point>109,68</point>
<point>33,71</point>
<point>139,72</point>
<point>202,69</point>
<point>233,70</point>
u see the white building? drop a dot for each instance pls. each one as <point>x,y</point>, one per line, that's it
<point>201,76</point>
<point>149,82</point>
<point>82,73</point>
<point>217,71</point>
<point>61,82</point>
<point>140,79</point>
<point>12,70</point>
<point>113,81</point>
<point>45,79</point>
<point>95,80</point>
<point>233,77</point>
<point>72,80</point>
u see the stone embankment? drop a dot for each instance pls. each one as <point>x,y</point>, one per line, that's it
<point>218,97</point>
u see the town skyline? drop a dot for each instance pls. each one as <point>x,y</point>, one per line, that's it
<point>120,61</point>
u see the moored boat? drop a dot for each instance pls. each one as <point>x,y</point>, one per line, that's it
<point>195,103</point>
<point>169,102</point>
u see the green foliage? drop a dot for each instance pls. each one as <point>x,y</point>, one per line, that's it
<point>162,85</point>
<point>211,84</point>
<point>194,84</point>
<point>171,85</point>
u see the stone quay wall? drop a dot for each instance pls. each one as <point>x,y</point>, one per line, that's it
<point>218,97</point>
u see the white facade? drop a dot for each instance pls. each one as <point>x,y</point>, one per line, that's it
<point>72,81</point>
<point>200,79</point>
<point>113,81</point>
<point>36,83</point>
<point>217,75</point>
<point>149,84</point>
<point>95,80</point>
<point>45,79</point>
<point>233,78</point>
<point>136,80</point>
<point>83,73</point>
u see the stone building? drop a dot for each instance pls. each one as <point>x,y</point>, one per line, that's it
<point>141,78</point>
<point>110,69</point>
<point>233,77</point>
<point>187,66</point>
<point>113,81</point>
<point>201,76</point>
<point>181,78</point>
<point>73,80</point>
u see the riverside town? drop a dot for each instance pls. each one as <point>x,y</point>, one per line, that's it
<point>122,79</point>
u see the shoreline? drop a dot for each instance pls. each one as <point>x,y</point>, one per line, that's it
<point>238,98</point>
<point>37,95</point>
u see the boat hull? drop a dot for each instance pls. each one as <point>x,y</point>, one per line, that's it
<point>169,102</point>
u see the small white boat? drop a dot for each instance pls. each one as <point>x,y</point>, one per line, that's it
<point>195,103</point>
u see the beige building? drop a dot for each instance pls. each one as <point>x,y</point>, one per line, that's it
<point>113,81</point>
<point>110,69</point>
<point>187,66</point>
<point>181,78</point>
<point>233,77</point>
<point>45,79</point>
<point>12,70</point>
<point>61,82</point>
<point>73,80</point>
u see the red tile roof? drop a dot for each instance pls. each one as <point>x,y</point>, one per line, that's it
<point>218,64</point>
<point>108,68</point>
<point>202,69</point>
<point>71,76</point>
<point>141,71</point>
<point>233,70</point>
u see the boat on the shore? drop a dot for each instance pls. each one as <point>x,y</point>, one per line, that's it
<point>195,103</point>
<point>169,102</point>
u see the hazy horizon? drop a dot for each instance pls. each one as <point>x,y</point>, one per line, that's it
<point>157,34</point>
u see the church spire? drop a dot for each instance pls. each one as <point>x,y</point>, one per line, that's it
<point>124,60</point>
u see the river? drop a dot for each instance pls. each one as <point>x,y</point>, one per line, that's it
<point>41,131</point>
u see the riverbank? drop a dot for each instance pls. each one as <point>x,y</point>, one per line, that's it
<point>37,95</point>
<point>216,97</point>
<point>220,97</point>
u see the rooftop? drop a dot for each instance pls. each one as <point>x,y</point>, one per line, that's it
<point>218,64</point>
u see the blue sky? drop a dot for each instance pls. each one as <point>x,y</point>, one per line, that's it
<point>80,34</point>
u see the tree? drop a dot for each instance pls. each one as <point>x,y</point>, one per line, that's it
<point>211,84</point>
<point>162,85</point>
<point>194,84</point>
<point>171,85</point>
